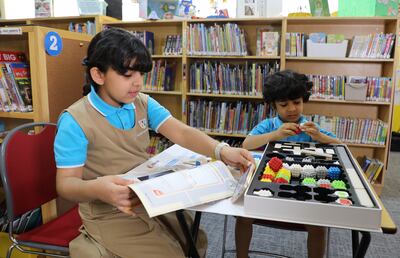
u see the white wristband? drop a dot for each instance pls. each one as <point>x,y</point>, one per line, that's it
<point>218,148</point>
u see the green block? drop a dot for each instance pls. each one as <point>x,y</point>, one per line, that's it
<point>368,7</point>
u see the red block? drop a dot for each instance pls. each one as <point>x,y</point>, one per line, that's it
<point>275,164</point>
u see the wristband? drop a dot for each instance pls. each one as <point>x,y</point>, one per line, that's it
<point>218,148</point>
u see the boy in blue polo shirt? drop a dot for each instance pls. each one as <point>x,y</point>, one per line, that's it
<point>285,91</point>
<point>105,134</point>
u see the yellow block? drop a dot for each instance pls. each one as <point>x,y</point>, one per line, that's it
<point>5,243</point>
<point>396,119</point>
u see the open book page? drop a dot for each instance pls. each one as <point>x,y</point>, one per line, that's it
<point>174,158</point>
<point>185,188</point>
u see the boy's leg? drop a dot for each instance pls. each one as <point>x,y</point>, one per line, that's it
<point>316,241</point>
<point>243,234</point>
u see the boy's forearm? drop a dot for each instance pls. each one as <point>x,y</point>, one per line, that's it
<point>255,141</point>
<point>325,139</point>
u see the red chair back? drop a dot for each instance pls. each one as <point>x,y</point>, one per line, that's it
<point>28,168</point>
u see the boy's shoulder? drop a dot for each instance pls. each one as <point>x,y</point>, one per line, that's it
<point>270,121</point>
<point>265,126</point>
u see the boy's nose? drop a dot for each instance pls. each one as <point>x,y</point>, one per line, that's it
<point>291,107</point>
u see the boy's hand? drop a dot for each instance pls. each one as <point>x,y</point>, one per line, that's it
<point>237,157</point>
<point>114,190</point>
<point>312,130</point>
<point>287,129</point>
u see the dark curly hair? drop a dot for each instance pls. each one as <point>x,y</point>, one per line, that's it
<point>286,85</point>
<point>115,48</point>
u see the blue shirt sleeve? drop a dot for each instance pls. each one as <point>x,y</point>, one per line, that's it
<point>70,145</point>
<point>262,127</point>
<point>156,113</point>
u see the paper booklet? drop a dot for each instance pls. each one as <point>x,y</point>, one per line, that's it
<point>177,179</point>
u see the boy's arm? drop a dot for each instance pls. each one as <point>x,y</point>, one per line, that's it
<point>253,142</point>
<point>113,190</point>
<point>326,139</point>
<point>312,129</point>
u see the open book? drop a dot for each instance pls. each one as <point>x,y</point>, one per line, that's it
<point>162,189</point>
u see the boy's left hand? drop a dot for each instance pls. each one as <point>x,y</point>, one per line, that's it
<point>312,130</point>
<point>237,157</point>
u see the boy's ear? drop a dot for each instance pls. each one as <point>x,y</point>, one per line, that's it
<point>97,75</point>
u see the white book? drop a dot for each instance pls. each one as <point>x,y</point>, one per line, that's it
<point>162,189</point>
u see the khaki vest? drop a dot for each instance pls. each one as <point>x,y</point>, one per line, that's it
<point>110,151</point>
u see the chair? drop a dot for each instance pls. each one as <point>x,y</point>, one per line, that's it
<point>28,173</point>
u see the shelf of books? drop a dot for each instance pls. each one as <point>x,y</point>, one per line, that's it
<point>165,83</point>
<point>219,74</point>
<point>353,87</point>
<point>87,24</point>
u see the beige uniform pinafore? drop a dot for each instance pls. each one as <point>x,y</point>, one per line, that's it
<point>106,231</point>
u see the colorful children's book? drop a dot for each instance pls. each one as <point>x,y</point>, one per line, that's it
<point>318,37</point>
<point>334,38</point>
<point>22,80</point>
<point>269,43</point>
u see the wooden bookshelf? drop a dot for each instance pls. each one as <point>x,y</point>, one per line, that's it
<point>172,100</point>
<point>341,60</point>
<point>226,96</point>
<point>308,65</point>
<point>349,66</point>
<point>56,80</point>
<point>61,23</point>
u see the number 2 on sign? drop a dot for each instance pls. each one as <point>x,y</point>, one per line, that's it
<point>53,40</point>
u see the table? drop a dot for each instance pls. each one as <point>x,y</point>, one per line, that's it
<point>226,207</point>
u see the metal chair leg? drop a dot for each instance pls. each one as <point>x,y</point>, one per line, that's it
<point>9,251</point>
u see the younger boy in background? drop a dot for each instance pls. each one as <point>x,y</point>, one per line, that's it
<point>285,91</point>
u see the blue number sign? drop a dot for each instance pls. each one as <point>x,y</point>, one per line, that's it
<point>53,43</point>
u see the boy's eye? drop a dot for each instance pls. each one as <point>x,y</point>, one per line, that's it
<point>142,73</point>
<point>282,104</point>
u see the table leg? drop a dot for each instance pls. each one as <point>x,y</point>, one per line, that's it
<point>196,225</point>
<point>185,228</point>
<point>360,247</point>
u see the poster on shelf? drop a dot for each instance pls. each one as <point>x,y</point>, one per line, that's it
<point>43,8</point>
<point>258,8</point>
<point>319,7</point>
